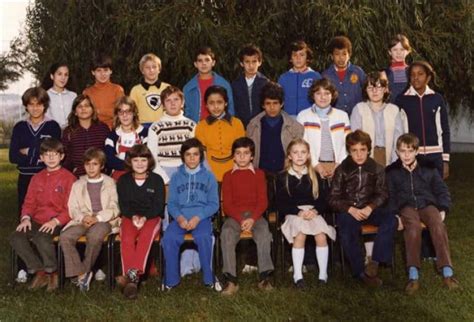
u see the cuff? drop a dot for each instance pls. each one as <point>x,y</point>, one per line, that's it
<point>445,157</point>
<point>25,217</point>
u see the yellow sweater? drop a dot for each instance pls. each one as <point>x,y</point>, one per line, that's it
<point>150,108</point>
<point>218,137</point>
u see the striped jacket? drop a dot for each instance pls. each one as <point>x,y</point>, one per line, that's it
<point>339,126</point>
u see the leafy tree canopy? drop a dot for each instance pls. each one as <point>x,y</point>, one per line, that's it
<point>440,32</point>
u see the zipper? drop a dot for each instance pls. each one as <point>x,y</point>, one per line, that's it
<point>422,123</point>
<point>360,184</point>
<point>413,190</point>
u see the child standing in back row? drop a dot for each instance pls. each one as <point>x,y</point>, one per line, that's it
<point>103,93</point>
<point>147,94</point>
<point>347,78</point>
<point>297,81</point>
<point>399,48</point>
<point>194,90</point>
<point>248,86</point>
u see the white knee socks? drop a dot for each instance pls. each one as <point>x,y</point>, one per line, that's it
<point>322,254</point>
<point>298,256</point>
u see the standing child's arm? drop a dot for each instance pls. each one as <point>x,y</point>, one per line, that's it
<point>152,141</point>
<point>113,162</point>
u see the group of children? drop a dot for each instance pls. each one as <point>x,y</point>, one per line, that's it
<point>303,161</point>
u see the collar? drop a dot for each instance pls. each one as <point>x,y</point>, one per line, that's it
<point>308,69</point>
<point>250,167</point>
<point>225,117</point>
<point>299,175</point>
<point>410,167</point>
<point>100,179</point>
<point>315,108</point>
<point>52,91</point>
<point>119,131</point>
<point>349,65</point>
<point>349,165</point>
<point>192,171</point>
<point>45,119</point>
<point>412,92</point>
<point>166,116</point>
<point>146,85</point>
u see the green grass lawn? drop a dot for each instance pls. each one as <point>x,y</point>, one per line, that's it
<point>342,299</point>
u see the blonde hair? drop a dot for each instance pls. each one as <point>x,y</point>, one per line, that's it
<point>126,100</point>
<point>311,173</point>
<point>149,57</point>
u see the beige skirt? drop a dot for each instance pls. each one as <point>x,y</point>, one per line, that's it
<point>294,225</point>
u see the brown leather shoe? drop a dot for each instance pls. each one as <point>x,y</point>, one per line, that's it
<point>372,282</point>
<point>40,280</point>
<point>451,283</point>
<point>122,281</point>
<point>230,289</point>
<point>130,291</point>
<point>372,269</point>
<point>53,282</point>
<point>265,285</point>
<point>412,287</point>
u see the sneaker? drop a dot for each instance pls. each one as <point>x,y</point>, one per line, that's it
<point>372,282</point>
<point>265,285</point>
<point>217,286</point>
<point>85,281</point>
<point>53,282</point>
<point>132,275</point>
<point>300,284</point>
<point>249,269</point>
<point>451,283</point>
<point>100,275</point>
<point>412,287</point>
<point>40,280</point>
<point>22,276</point>
<point>130,291</point>
<point>230,289</point>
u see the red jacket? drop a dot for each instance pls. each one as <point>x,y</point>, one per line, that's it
<point>244,190</point>
<point>48,195</point>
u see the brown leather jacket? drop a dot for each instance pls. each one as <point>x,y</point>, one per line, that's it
<point>358,186</point>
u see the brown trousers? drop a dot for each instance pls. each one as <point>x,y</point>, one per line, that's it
<point>411,219</point>
<point>95,237</point>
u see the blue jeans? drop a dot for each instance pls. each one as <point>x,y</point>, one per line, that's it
<point>349,234</point>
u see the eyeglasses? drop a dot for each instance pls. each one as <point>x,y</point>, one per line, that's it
<point>124,112</point>
<point>375,88</point>
<point>51,154</point>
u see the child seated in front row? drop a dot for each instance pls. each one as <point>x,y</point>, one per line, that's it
<point>94,211</point>
<point>419,195</point>
<point>244,194</point>
<point>44,212</point>
<point>358,194</point>
<point>141,199</point>
<point>300,205</point>
<point>193,200</point>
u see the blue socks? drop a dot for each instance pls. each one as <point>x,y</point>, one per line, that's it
<point>413,273</point>
<point>447,271</point>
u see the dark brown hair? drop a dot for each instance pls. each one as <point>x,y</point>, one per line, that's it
<point>323,83</point>
<point>402,39</point>
<point>250,50</point>
<point>51,145</point>
<point>36,92</point>
<point>205,51</point>
<point>139,151</point>
<point>340,42</point>
<point>374,79</point>
<point>192,143</point>
<point>73,120</point>
<point>300,45</point>
<point>244,142</point>
<point>356,137</point>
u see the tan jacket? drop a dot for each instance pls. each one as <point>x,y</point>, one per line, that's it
<point>290,130</point>
<point>80,203</point>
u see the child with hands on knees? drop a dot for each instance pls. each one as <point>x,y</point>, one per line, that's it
<point>43,213</point>
<point>300,205</point>
<point>193,200</point>
<point>141,199</point>
<point>244,194</point>
<point>94,210</point>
